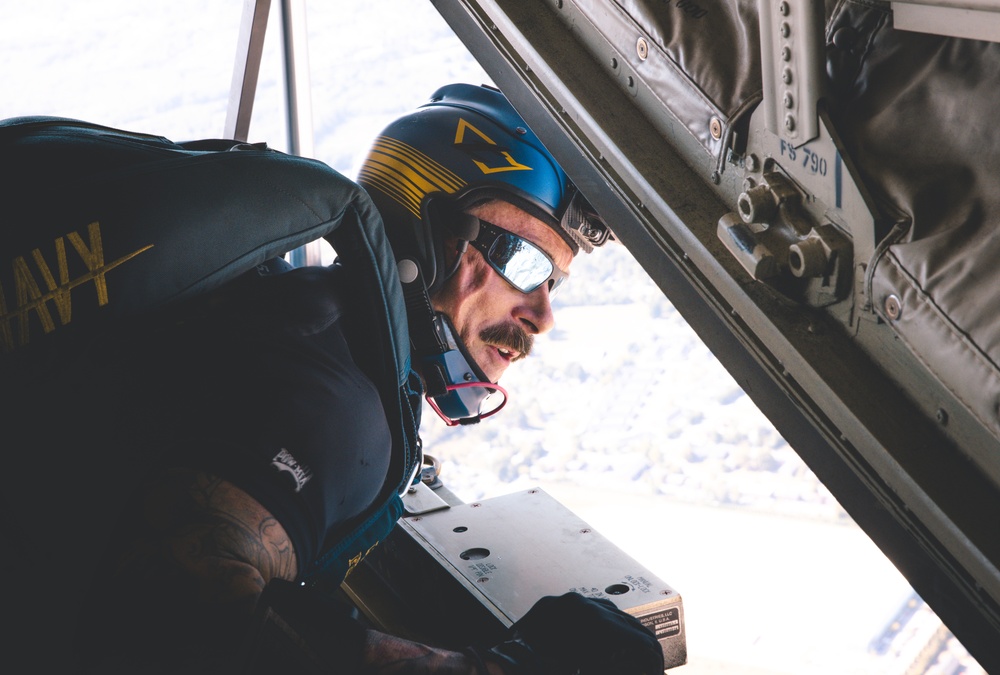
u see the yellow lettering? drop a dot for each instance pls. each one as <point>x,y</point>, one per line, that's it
<point>27,290</point>
<point>93,258</point>
<point>6,338</point>
<point>58,291</point>
<point>29,295</point>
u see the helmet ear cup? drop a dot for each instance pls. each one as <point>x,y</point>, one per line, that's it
<point>436,213</point>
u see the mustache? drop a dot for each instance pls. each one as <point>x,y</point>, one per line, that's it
<point>509,336</point>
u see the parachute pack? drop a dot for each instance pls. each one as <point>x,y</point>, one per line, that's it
<point>102,224</point>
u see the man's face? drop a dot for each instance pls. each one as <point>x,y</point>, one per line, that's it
<point>496,321</point>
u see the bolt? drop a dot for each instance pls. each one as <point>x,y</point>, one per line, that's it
<point>783,9</point>
<point>476,505</point>
<point>642,48</point>
<point>520,131</point>
<point>585,531</point>
<point>483,580</point>
<point>942,416</point>
<point>893,307</point>
<point>716,178</point>
<point>715,127</point>
<point>752,163</point>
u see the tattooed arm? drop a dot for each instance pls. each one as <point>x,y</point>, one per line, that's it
<point>384,654</point>
<point>186,572</point>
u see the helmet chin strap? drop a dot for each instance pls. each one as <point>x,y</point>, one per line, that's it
<point>457,388</point>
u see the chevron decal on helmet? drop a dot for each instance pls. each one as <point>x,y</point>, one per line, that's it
<point>510,165</point>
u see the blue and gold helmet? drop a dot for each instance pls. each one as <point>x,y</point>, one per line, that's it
<point>465,146</point>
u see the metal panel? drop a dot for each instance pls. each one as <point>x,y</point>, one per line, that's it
<point>513,550</point>
<point>974,19</point>
<point>791,65</point>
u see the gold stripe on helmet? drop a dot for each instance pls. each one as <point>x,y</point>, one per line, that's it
<point>406,174</point>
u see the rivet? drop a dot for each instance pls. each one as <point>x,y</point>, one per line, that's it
<point>942,416</point>
<point>893,307</point>
<point>786,53</point>
<point>752,163</point>
<point>789,101</point>
<point>785,29</point>
<point>786,76</point>
<point>520,131</point>
<point>783,8</point>
<point>715,126</point>
<point>642,48</point>
<point>790,122</point>
<point>716,178</point>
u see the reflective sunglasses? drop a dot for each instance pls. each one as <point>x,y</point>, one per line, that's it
<point>522,264</point>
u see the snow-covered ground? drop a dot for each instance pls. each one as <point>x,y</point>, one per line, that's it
<point>622,414</point>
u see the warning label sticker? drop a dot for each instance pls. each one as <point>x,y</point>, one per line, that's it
<point>663,624</point>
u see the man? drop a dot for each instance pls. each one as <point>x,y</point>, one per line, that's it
<point>270,438</point>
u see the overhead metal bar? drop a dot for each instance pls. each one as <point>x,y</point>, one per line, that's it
<point>298,102</point>
<point>249,48</point>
